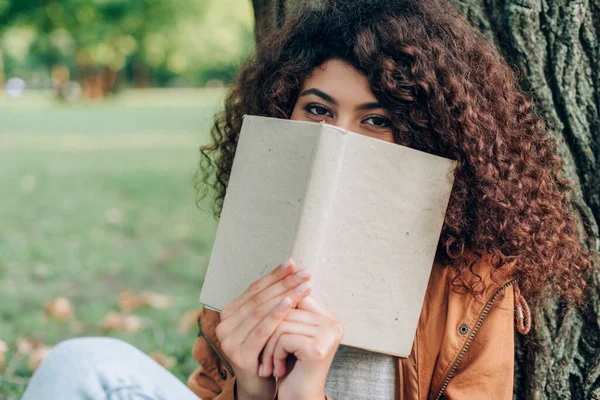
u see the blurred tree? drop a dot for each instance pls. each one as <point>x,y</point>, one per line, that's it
<point>104,39</point>
<point>556,45</point>
<point>95,36</point>
<point>217,41</point>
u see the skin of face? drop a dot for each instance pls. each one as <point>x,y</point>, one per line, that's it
<point>338,94</point>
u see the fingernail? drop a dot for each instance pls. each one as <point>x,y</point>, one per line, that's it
<point>285,303</point>
<point>287,263</point>
<point>303,288</point>
<point>260,371</point>
<point>301,274</point>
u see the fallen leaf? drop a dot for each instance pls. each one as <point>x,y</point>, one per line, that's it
<point>129,301</point>
<point>37,356</point>
<point>3,350</point>
<point>59,308</point>
<point>26,345</point>
<point>157,300</point>
<point>163,359</point>
<point>188,322</point>
<point>114,321</point>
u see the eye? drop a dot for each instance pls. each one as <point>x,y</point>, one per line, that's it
<point>378,122</point>
<point>316,109</point>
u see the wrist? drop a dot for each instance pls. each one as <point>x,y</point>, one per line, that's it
<point>311,396</point>
<point>303,393</point>
<point>266,390</point>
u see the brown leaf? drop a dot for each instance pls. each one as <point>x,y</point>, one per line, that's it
<point>27,345</point>
<point>59,308</point>
<point>3,350</point>
<point>37,356</point>
<point>129,301</point>
<point>157,300</point>
<point>188,322</point>
<point>114,321</point>
<point>163,359</point>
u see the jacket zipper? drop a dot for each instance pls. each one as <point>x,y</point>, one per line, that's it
<point>484,313</point>
<point>217,352</point>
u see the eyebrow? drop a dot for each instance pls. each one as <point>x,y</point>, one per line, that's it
<point>321,94</point>
<point>370,106</point>
<point>326,97</point>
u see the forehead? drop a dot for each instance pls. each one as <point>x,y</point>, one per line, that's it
<point>341,81</point>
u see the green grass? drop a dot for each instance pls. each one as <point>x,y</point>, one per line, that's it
<point>96,199</point>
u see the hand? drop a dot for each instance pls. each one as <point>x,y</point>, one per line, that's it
<point>311,334</point>
<point>248,322</point>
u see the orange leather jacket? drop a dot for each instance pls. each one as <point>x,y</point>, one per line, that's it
<point>463,348</point>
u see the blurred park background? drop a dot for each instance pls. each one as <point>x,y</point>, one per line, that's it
<point>103,106</point>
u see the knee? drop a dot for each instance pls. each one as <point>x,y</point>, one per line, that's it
<point>88,345</point>
<point>83,350</point>
<point>81,365</point>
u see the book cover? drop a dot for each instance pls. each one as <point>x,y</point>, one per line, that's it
<point>364,215</point>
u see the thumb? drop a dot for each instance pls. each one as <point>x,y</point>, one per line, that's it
<point>289,343</point>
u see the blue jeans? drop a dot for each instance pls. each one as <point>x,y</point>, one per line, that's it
<point>103,369</point>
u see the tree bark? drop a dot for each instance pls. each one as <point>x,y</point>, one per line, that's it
<point>268,15</point>
<point>555,44</point>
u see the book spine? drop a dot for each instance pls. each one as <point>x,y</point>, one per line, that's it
<point>318,199</point>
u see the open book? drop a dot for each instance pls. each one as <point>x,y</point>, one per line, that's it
<point>364,215</point>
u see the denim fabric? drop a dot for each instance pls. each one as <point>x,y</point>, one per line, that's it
<point>103,369</point>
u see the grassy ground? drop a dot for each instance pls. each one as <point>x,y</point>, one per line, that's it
<point>97,199</point>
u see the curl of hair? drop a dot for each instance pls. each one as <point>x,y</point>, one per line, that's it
<point>450,93</point>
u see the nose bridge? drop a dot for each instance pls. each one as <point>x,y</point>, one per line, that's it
<point>344,121</point>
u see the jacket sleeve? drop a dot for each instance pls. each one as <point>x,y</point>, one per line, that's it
<point>211,380</point>
<point>487,369</point>
<point>207,380</point>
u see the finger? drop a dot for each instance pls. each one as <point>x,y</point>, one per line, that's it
<point>297,345</point>
<point>306,317</point>
<point>231,345</point>
<point>299,316</point>
<point>284,327</point>
<point>331,328</point>
<point>272,294</point>
<point>275,290</point>
<point>277,274</point>
<point>258,337</point>
<point>311,304</point>
<point>238,328</point>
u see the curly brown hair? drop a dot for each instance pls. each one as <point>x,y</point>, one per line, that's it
<point>450,93</point>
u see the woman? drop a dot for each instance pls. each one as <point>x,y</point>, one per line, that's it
<point>413,73</point>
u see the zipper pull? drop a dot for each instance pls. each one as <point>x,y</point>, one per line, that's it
<point>523,314</point>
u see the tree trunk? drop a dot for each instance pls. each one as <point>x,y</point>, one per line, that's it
<point>556,46</point>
